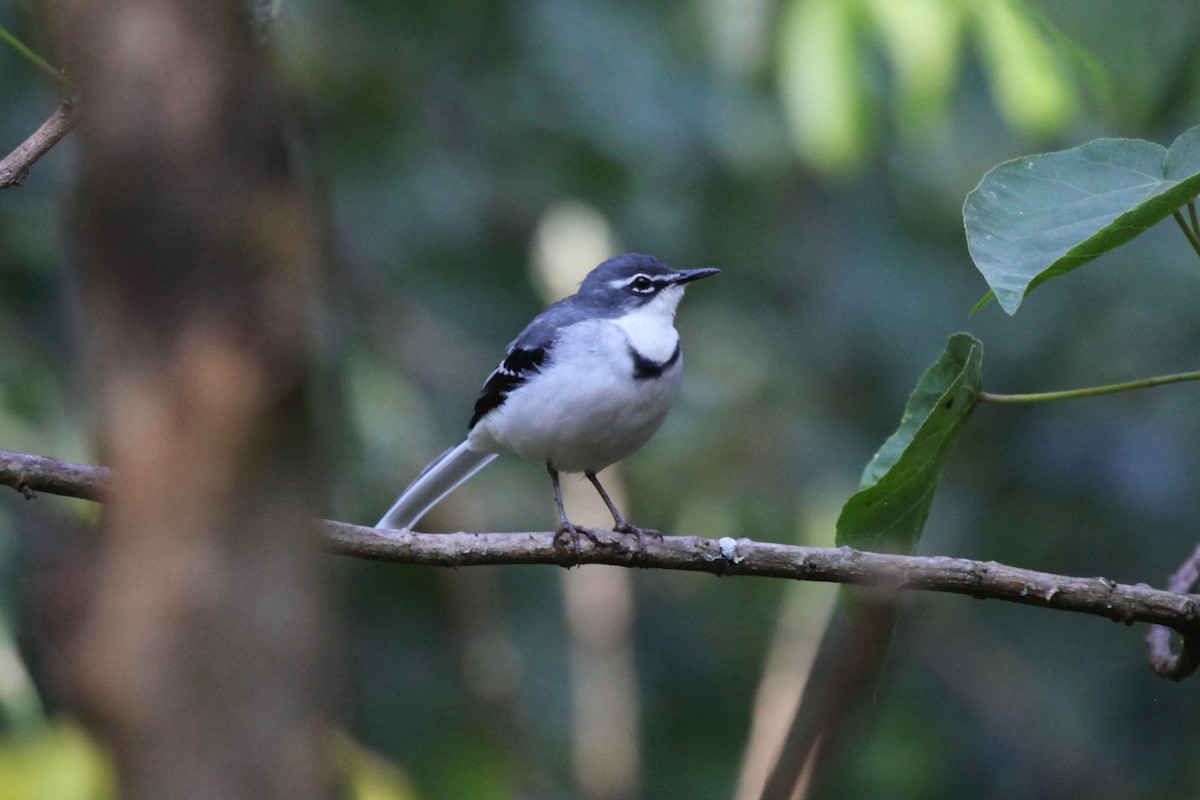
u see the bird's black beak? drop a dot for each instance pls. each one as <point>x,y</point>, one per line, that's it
<point>688,275</point>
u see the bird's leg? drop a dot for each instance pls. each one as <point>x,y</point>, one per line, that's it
<point>621,524</point>
<point>565,526</point>
<point>563,522</point>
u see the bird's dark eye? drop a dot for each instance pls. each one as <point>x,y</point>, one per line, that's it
<point>642,285</point>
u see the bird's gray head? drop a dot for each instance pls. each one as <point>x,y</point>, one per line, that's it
<point>627,282</point>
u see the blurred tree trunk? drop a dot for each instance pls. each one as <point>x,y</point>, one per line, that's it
<point>202,662</point>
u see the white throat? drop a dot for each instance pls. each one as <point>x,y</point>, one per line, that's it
<point>651,328</point>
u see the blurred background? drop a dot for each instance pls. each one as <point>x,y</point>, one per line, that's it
<point>477,159</point>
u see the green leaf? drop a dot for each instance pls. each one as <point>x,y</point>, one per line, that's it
<point>924,42</point>
<point>1038,217</point>
<point>822,82</point>
<point>888,512</point>
<point>1033,85</point>
<point>60,761</point>
<point>366,775</point>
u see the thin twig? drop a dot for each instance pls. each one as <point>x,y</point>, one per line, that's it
<point>39,62</point>
<point>1163,661</point>
<point>1192,236</point>
<point>727,556</point>
<point>1089,391</point>
<point>15,166</point>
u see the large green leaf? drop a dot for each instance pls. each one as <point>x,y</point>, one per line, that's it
<point>1038,217</point>
<point>889,510</point>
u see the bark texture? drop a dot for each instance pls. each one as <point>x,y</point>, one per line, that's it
<point>202,661</point>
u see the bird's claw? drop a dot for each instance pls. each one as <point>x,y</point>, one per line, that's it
<point>570,531</point>
<point>573,532</point>
<point>641,534</point>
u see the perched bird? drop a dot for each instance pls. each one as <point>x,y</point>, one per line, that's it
<point>588,382</point>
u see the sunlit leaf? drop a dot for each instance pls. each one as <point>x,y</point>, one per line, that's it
<point>924,43</point>
<point>889,510</point>
<point>822,83</point>
<point>366,775</point>
<point>1089,71</point>
<point>1033,86</point>
<point>59,762</point>
<point>1038,217</point>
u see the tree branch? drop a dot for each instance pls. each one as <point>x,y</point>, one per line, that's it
<point>1165,663</point>
<point>1099,597</point>
<point>29,474</point>
<point>15,166</point>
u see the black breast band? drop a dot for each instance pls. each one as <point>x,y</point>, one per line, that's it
<point>645,368</point>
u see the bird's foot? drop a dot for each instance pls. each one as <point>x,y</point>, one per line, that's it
<point>641,534</point>
<point>569,531</point>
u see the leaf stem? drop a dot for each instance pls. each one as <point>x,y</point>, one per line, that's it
<point>37,60</point>
<point>1090,391</point>
<point>1192,236</point>
<point>1192,214</point>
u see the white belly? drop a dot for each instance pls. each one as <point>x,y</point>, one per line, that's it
<point>584,411</point>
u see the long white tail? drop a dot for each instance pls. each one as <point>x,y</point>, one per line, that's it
<point>443,475</point>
